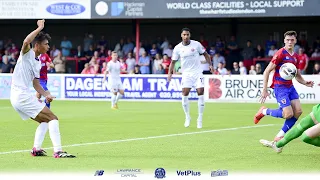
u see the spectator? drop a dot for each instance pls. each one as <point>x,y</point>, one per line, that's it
<point>95,68</point>
<point>54,52</point>
<point>87,42</point>
<point>222,70</point>
<point>258,69</point>
<point>144,62</point>
<point>13,49</point>
<point>153,51</point>
<point>86,69</point>
<point>102,52</point>
<point>166,63</point>
<point>13,60</point>
<point>102,43</point>
<point>59,63</point>
<point>160,70</point>
<point>219,45</point>
<point>218,59</point>
<point>141,50</point>
<point>66,46</point>
<point>316,44</point>
<point>90,52</point>
<point>242,68</point>
<point>212,51</point>
<point>79,53</point>
<point>204,43</point>
<point>131,62</point>
<point>259,52</point>
<point>233,52</point>
<point>156,62</point>
<point>137,69</point>
<point>123,66</point>
<point>109,57</point>
<point>165,45</point>
<point>235,69</point>
<point>248,54</point>
<point>316,69</point>
<point>303,61</point>
<point>252,70</point>
<point>272,51</point>
<point>6,67</point>
<point>119,48</point>
<point>168,51</point>
<point>128,47</point>
<point>104,67</point>
<point>269,43</point>
<point>316,53</point>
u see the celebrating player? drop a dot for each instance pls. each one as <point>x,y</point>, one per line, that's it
<point>286,95</point>
<point>27,71</point>
<point>309,126</point>
<point>114,80</point>
<point>45,62</point>
<point>189,51</point>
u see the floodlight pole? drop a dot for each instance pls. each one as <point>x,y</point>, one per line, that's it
<point>137,39</point>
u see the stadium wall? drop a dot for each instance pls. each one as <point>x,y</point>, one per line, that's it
<point>234,88</point>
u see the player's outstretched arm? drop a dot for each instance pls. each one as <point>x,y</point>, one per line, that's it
<point>301,80</point>
<point>26,43</point>
<point>208,59</point>
<point>271,66</point>
<point>171,67</point>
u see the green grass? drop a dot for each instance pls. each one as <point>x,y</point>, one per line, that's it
<point>83,122</point>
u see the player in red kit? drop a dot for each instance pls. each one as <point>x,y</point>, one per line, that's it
<point>303,61</point>
<point>285,93</point>
<point>46,63</point>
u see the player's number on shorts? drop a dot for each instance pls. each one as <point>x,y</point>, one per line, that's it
<point>201,79</point>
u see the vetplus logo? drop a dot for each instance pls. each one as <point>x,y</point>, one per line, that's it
<point>188,173</point>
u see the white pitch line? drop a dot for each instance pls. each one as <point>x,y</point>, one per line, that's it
<point>145,138</point>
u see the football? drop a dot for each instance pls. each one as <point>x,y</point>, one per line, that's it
<point>288,71</point>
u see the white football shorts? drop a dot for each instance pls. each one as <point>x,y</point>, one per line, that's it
<point>27,105</point>
<point>191,80</point>
<point>115,85</point>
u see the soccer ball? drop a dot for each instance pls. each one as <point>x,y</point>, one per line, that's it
<point>288,71</point>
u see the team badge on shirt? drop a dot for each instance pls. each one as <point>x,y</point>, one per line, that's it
<point>283,101</point>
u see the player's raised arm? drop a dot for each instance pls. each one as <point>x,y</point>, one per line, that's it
<point>26,43</point>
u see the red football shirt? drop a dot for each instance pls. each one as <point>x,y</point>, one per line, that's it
<point>282,56</point>
<point>44,58</point>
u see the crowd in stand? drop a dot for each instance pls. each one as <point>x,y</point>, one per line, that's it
<point>154,57</point>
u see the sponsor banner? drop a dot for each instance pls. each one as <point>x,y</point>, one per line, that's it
<point>236,88</point>
<point>54,85</point>
<point>135,87</point>
<point>45,9</point>
<point>196,9</point>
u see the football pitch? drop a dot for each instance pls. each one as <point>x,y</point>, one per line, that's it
<point>148,135</point>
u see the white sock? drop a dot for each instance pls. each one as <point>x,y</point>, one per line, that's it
<point>185,105</point>
<point>119,96</point>
<point>113,99</point>
<point>281,133</point>
<point>200,106</point>
<point>55,135</point>
<point>264,111</point>
<point>40,134</point>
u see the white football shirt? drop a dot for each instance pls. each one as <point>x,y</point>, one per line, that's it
<point>113,69</point>
<point>27,68</point>
<point>189,56</point>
